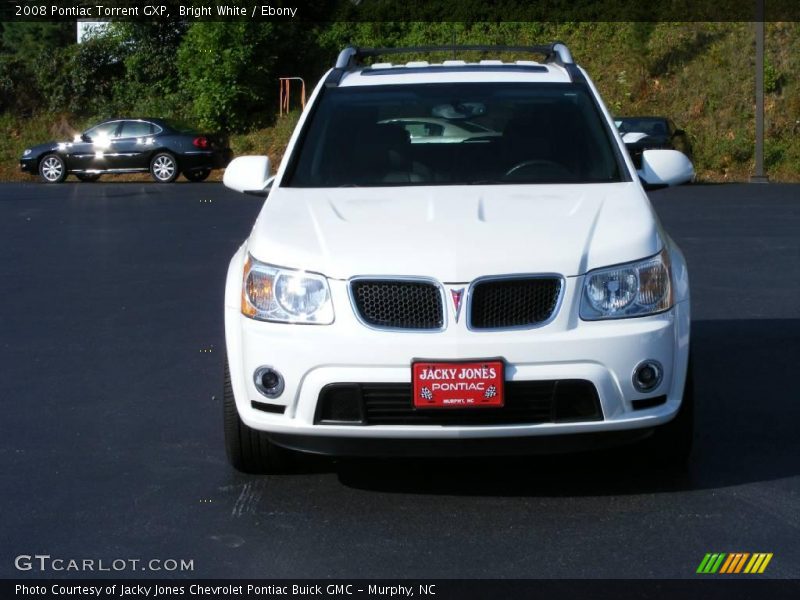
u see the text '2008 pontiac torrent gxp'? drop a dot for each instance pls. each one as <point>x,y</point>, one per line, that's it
<point>511,291</point>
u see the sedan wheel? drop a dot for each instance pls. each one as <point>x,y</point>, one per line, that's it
<point>52,169</point>
<point>163,168</point>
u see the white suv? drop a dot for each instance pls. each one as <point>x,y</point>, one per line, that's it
<point>509,292</point>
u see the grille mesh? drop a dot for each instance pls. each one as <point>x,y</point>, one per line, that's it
<point>399,304</point>
<point>513,302</point>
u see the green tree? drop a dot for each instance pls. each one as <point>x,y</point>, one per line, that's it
<point>25,45</point>
<point>148,52</point>
<point>80,78</point>
<point>26,39</point>
<point>227,71</point>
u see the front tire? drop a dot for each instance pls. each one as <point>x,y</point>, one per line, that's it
<point>52,169</point>
<point>671,444</point>
<point>197,176</point>
<point>164,168</point>
<point>249,450</point>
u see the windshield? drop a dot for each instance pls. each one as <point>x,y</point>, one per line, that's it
<point>475,133</point>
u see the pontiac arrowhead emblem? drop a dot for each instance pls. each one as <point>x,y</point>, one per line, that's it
<point>457,295</point>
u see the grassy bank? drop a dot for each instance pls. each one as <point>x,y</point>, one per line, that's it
<point>700,74</point>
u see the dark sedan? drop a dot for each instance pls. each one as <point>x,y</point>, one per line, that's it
<point>657,132</point>
<point>129,146</point>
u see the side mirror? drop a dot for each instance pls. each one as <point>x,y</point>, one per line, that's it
<point>249,175</point>
<point>662,168</point>
<point>83,138</point>
<point>678,132</point>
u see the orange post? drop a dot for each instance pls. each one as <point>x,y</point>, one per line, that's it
<point>285,92</point>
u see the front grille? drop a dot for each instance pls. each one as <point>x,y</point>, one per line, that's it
<point>513,302</point>
<point>526,402</point>
<point>398,304</point>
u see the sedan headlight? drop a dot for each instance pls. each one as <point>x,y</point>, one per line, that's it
<point>630,290</point>
<point>285,296</point>
<point>26,152</point>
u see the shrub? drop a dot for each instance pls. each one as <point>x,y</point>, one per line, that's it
<point>226,71</point>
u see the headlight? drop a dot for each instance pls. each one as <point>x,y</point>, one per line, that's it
<point>285,296</point>
<point>26,152</point>
<point>630,290</point>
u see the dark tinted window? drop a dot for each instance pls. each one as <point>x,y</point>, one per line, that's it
<point>137,129</point>
<point>103,131</point>
<point>508,133</point>
<point>649,126</point>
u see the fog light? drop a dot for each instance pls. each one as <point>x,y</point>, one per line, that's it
<point>268,381</point>
<point>647,375</point>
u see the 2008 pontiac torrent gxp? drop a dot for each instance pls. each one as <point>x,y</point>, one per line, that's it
<point>508,292</point>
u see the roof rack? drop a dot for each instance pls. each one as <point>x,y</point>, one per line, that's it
<point>352,57</point>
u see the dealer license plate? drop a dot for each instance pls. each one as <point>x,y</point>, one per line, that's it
<point>457,384</point>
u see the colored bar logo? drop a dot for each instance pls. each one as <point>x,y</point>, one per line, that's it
<point>733,563</point>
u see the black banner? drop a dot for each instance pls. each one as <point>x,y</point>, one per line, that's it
<point>310,11</point>
<point>709,588</point>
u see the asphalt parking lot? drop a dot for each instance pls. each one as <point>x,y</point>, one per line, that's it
<point>111,439</point>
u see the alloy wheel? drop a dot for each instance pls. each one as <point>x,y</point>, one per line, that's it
<point>52,168</point>
<point>163,168</point>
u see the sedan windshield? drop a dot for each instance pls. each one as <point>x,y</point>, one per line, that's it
<point>473,133</point>
<point>650,126</point>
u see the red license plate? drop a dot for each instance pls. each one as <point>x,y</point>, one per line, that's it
<point>457,384</point>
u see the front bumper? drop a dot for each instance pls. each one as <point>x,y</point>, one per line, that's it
<point>310,357</point>
<point>386,447</point>
<point>28,165</point>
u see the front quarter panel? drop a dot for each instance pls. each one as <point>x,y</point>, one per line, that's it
<point>30,163</point>
<point>233,330</point>
<point>680,271</point>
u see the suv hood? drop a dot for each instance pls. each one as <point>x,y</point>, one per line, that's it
<point>455,233</point>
